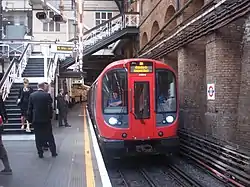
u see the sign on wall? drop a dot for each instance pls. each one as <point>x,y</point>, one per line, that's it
<point>210,91</point>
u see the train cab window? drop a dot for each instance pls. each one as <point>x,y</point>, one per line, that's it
<point>141,100</point>
<point>114,92</point>
<point>165,91</point>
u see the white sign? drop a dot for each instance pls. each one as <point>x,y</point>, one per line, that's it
<point>210,92</point>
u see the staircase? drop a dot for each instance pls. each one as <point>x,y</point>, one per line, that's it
<point>119,27</point>
<point>13,111</point>
<point>34,68</point>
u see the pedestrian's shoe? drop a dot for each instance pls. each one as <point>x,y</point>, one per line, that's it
<point>28,130</point>
<point>6,172</point>
<point>40,155</point>
<point>54,154</point>
<point>67,125</point>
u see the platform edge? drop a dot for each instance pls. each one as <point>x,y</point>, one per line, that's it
<point>99,158</point>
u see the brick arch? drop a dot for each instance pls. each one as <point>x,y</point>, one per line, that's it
<point>144,39</point>
<point>192,8</point>
<point>155,28</point>
<point>169,14</point>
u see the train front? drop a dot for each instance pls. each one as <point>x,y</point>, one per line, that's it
<point>139,108</point>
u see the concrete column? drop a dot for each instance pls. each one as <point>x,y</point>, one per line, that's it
<point>243,127</point>
<point>223,62</point>
<point>191,74</point>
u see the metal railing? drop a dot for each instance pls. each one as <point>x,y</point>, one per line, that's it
<point>14,71</point>
<point>110,27</point>
<point>52,67</point>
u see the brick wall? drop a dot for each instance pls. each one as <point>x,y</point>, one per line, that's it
<point>243,126</point>
<point>223,59</point>
<point>191,74</point>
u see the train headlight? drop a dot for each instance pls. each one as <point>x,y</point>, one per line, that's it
<point>170,119</point>
<point>113,121</point>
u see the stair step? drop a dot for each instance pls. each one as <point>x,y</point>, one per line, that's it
<point>14,120</point>
<point>17,131</point>
<point>31,66</point>
<point>36,75</point>
<point>13,110</point>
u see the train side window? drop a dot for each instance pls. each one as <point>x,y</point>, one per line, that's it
<point>115,92</point>
<point>165,91</point>
<point>141,100</point>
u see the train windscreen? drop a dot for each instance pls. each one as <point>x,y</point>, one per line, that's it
<point>165,91</point>
<point>115,92</point>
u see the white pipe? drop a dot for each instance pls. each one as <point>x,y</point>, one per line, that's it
<point>37,42</point>
<point>185,26</point>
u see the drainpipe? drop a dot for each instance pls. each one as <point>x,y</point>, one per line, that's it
<point>1,19</point>
<point>177,5</point>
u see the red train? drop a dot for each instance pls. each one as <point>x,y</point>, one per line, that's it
<point>133,105</point>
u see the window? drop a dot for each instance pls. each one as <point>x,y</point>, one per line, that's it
<point>141,100</point>
<point>165,91</point>
<point>51,26</point>
<point>115,92</point>
<point>101,17</point>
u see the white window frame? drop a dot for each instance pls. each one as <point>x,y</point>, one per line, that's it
<point>102,19</point>
<point>51,26</point>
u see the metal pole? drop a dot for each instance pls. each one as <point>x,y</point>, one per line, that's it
<point>80,27</point>
<point>1,20</point>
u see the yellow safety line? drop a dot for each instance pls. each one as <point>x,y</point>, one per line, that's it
<point>90,178</point>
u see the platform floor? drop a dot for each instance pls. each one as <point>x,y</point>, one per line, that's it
<point>78,163</point>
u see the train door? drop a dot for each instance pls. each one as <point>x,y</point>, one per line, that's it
<point>141,108</point>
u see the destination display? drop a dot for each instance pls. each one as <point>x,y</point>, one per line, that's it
<point>64,48</point>
<point>141,67</point>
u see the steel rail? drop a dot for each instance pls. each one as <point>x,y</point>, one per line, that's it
<point>123,179</point>
<point>175,170</point>
<point>145,175</point>
<point>231,165</point>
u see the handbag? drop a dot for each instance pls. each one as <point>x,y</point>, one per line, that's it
<point>1,125</point>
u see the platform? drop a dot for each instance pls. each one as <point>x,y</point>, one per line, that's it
<point>78,164</point>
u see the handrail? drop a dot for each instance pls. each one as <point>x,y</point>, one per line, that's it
<point>50,63</point>
<point>11,74</point>
<point>52,67</point>
<point>105,23</point>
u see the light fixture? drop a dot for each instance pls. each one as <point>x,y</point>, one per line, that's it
<point>113,121</point>
<point>169,119</point>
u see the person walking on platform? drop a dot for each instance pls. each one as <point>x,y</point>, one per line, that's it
<point>62,106</point>
<point>40,113</point>
<point>3,153</point>
<point>23,101</point>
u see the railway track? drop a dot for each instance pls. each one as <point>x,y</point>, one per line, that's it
<point>169,175</point>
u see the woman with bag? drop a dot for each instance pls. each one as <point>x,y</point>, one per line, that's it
<point>23,102</point>
<point>3,153</point>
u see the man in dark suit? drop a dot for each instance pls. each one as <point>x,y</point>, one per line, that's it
<point>40,113</point>
<point>62,106</point>
<point>3,153</point>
